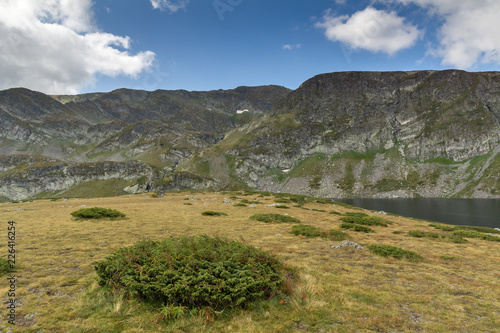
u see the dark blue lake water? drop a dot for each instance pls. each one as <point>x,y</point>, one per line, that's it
<point>476,212</point>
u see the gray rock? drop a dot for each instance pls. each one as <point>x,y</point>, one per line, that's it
<point>347,243</point>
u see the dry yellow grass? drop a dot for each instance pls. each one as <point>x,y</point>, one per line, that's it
<point>456,288</point>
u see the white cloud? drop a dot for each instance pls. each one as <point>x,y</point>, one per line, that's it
<point>290,47</point>
<point>171,5</point>
<point>469,34</point>
<point>371,29</point>
<point>442,6</point>
<point>53,46</point>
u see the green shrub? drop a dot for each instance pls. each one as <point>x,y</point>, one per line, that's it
<point>337,235</point>
<point>188,204</point>
<point>193,272</point>
<point>325,201</point>
<point>212,213</point>
<point>345,205</point>
<point>97,213</point>
<point>375,220</point>
<point>476,228</point>
<point>393,251</point>
<point>356,214</point>
<point>466,228</point>
<point>468,233</point>
<point>281,200</point>
<point>456,239</point>
<point>491,238</point>
<point>335,212</point>
<point>282,206</point>
<point>306,230</point>
<point>355,227</point>
<point>4,265</point>
<point>475,234</point>
<point>239,205</point>
<point>426,234</point>
<point>365,220</point>
<point>416,233</point>
<point>319,210</point>
<point>274,218</point>
<point>430,234</point>
<point>442,227</point>
<point>299,199</point>
<point>245,201</point>
<point>310,231</point>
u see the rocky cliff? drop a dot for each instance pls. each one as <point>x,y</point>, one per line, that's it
<point>160,129</point>
<point>27,177</point>
<point>392,134</point>
<point>368,134</point>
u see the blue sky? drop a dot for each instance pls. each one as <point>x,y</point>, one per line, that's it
<point>78,46</point>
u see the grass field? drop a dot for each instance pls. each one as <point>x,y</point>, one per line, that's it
<point>454,288</point>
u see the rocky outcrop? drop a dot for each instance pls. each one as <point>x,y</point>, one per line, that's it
<point>23,177</point>
<point>349,244</point>
<point>179,181</point>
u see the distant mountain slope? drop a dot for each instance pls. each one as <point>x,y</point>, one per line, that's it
<point>201,109</point>
<point>425,133</point>
<point>125,123</point>
<point>366,134</point>
<point>160,128</point>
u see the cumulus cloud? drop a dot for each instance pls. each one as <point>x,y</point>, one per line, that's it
<point>53,46</point>
<point>469,34</point>
<point>371,29</point>
<point>290,47</point>
<point>170,5</point>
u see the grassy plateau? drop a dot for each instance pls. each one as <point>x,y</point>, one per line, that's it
<point>405,279</point>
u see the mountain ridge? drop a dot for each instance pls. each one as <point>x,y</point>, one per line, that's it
<point>343,134</point>
<point>427,127</point>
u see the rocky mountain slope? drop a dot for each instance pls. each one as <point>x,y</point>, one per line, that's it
<point>77,128</point>
<point>369,134</point>
<point>159,128</point>
<point>392,134</point>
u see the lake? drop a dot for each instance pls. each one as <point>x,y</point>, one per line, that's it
<point>476,212</point>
